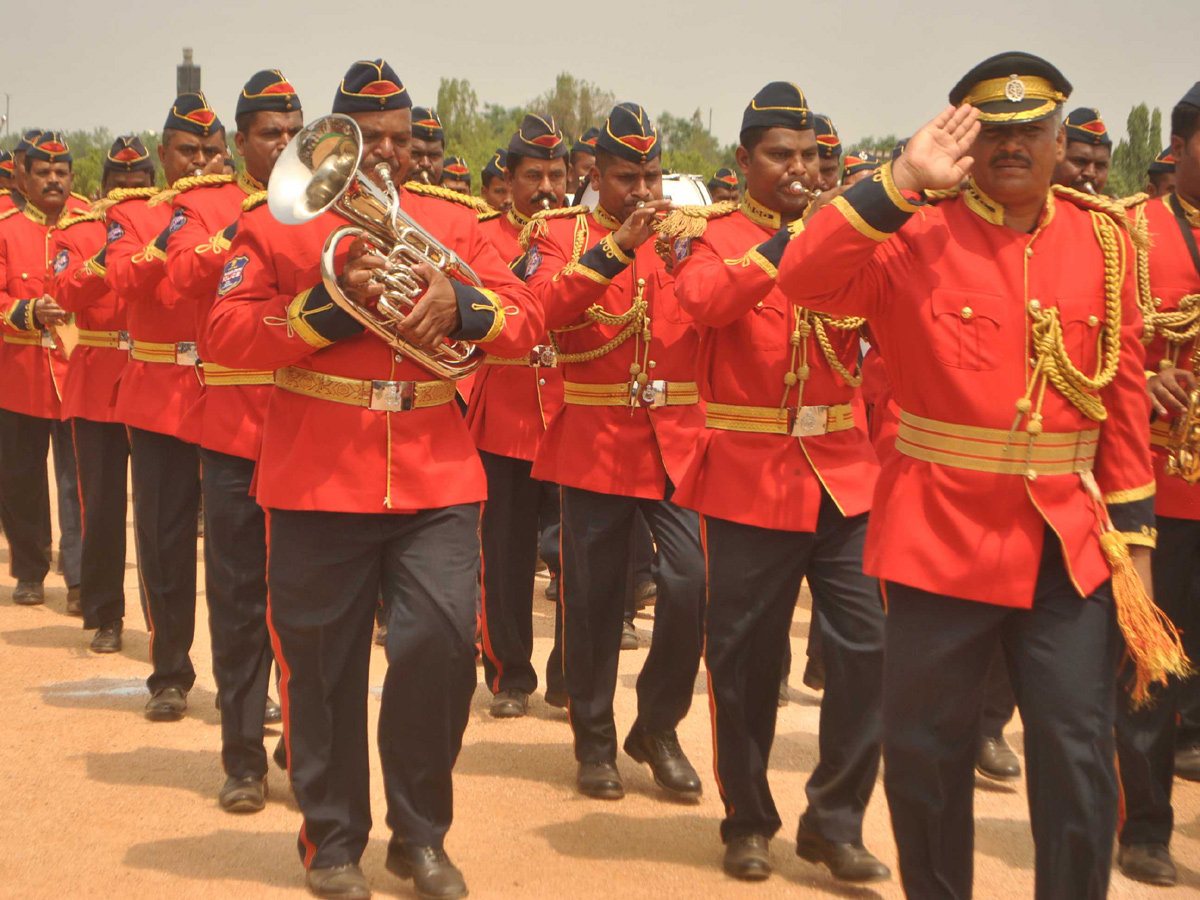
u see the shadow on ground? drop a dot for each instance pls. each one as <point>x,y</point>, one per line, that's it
<point>75,640</point>
<point>125,694</point>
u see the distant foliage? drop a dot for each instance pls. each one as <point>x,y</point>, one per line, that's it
<point>1134,153</point>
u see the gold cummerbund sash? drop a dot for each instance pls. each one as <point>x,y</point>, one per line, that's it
<point>1158,433</point>
<point>652,394</point>
<point>109,340</point>
<point>995,450</point>
<point>808,421</point>
<point>542,355</point>
<point>180,354</point>
<point>219,375</point>
<point>385,396</point>
<point>37,339</point>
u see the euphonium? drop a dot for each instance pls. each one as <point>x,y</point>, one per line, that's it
<point>1183,442</point>
<point>320,170</point>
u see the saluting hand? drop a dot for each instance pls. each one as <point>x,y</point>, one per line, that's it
<point>936,156</point>
<point>639,227</point>
<point>1169,391</point>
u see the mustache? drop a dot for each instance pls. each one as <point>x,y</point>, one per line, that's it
<point>541,196</point>
<point>52,189</point>
<point>1011,157</point>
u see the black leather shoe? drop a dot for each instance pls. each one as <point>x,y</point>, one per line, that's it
<point>1187,763</point>
<point>557,699</point>
<point>814,674</point>
<point>672,771</point>
<point>784,695</point>
<point>748,857</point>
<point>167,705</point>
<point>552,589</point>
<point>1147,863</point>
<point>243,795</point>
<point>381,635</point>
<point>280,754</point>
<point>629,636</point>
<point>74,604</point>
<point>339,883</point>
<point>996,760</point>
<point>29,593</point>
<point>647,591</point>
<point>272,713</point>
<point>847,862</point>
<point>108,637</point>
<point>600,781</point>
<point>435,877</point>
<point>509,704</point>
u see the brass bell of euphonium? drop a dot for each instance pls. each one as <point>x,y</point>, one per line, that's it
<point>319,170</point>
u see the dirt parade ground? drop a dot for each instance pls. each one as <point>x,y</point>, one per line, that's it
<point>99,802</point>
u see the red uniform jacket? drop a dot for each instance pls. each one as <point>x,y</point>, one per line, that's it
<point>227,418</point>
<point>511,404</point>
<point>746,325</point>
<point>883,414</point>
<point>1173,276</point>
<point>271,312</point>
<point>946,290</point>
<point>93,372</point>
<point>31,371</point>
<point>154,396</point>
<point>625,450</point>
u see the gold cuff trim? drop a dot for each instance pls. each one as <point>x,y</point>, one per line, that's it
<point>95,268</point>
<point>860,224</point>
<point>590,273</point>
<point>498,319</point>
<point>1147,537</point>
<point>884,175</point>
<point>295,320</point>
<point>614,250</point>
<point>150,252</point>
<point>1132,495</point>
<point>763,263</point>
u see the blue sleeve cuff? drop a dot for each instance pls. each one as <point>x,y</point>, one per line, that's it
<point>604,262</point>
<point>1134,519</point>
<point>875,206</point>
<point>480,313</point>
<point>21,317</point>
<point>315,317</point>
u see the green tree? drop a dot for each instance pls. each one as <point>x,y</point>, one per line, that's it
<point>1134,153</point>
<point>576,104</point>
<point>688,145</point>
<point>883,145</point>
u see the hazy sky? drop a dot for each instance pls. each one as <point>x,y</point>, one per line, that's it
<point>876,68</point>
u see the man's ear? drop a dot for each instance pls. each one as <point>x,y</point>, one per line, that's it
<point>743,159</point>
<point>162,152</point>
<point>239,143</point>
<point>1177,145</point>
<point>1060,141</point>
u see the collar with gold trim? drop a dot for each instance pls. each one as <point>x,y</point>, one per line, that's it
<point>249,183</point>
<point>759,214</point>
<point>515,219</point>
<point>36,215</point>
<point>604,218</point>
<point>1191,213</point>
<point>992,212</point>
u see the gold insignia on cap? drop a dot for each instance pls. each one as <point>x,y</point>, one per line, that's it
<point>1014,91</point>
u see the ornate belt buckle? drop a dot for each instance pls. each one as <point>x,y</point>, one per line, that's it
<point>123,341</point>
<point>544,356</point>
<point>811,421</point>
<point>48,339</point>
<point>393,396</point>
<point>186,354</point>
<point>654,394</point>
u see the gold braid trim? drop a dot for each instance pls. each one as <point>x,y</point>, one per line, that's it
<point>1133,200</point>
<point>538,227</point>
<point>633,319</point>
<point>1112,208</point>
<point>489,215</point>
<point>478,204</point>
<point>82,217</point>
<point>1053,363</point>
<point>187,184</point>
<point>947,194</point>
<point>8,212</point>
<point>691,221</point>
<point>258,198</point>
<point>819,321</point>
<point>1177,327</point>
<point>120,195</point>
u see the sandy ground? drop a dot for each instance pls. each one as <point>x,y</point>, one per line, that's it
<point>99,802</point>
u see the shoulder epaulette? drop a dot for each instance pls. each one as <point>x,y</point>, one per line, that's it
<point>1133,200</point>
<point>258,198</point>
<point>432,190</point>
<point>79,196</point>
<point>187,184</point>
<point>4,192</point>
<point>1111,208</point>
<point>537,226</point>
<point>120,195</point>
<point>82,217</point>
<point>691,221</point>
<point>8,212</point>
<point>489,215</point>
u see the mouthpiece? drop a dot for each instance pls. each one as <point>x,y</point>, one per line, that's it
<point>798,188</point>
<point>545,203</point>
<point>425,176</point>
<point>1088,188</point>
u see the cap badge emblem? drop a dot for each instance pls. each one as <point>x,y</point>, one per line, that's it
<point>1014,91</point>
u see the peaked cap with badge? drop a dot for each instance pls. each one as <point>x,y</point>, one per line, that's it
<point>1013,87</point>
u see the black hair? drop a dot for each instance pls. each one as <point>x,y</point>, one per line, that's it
<point>576,152</point>
<point>1185,120</point>
<point>486,177</point>
<point>604,158</point>
<point>1157,178</point>
<point>751,138</point>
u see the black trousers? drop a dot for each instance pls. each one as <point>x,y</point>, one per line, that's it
<point>596,550</point>
<point>235,582</point>
<point>166,501</point>
<point>999,701</point>
<point>102,457</point>
<point>754,577</point>
<point>1146,737</point>
<point>510,538</point>
<point>1062,657</point>
<point>25,493</point>
<point>70,517</point>
<point>549,527</point>
<point>325,572</point>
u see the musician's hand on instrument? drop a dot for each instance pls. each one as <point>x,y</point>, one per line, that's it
<point>48,312</point>
<point>639,227</point>
<point>1169,391</point>
<point>435,315</point>
<point>215,166</point>
<point>356,280</point>
<point>936,156</point>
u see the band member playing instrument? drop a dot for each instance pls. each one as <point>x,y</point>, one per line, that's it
<point>619,444</point>
<point>89,391</point>
<point>782,479</point>
<point>829,153</point>
<point>1086,161</point>
<point>227,422</point>
<point>494,190</point>
<point>511,402</point>
<point>1160,177</point>
<point>32,365</point>
<point>723,185</point>
<point>583,157</point>
<point>1169,284</point>
<point>428,146</point>
<point>372,485</point>
<point>456,175</point>
<point>1018,503</point>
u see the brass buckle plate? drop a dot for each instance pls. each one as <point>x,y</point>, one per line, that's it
<point>811,421</point>
<point>393,396</point>
<point>123,341</point>
<point>186,354</point>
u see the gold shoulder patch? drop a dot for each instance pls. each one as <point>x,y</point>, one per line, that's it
<point>187,184</point>
<point>8,212</point>
<point>1111,208</point>
<point>489,215</point>
<point>1133,200</point>
<point>258,198</point>
<point>691,221</point>
<point>432,190</point>
<point>82,217</point>
<point>79,196</point>
<point>537,226</point>
<point>120,195</point>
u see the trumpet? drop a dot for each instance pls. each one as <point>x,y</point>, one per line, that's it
<point>321,170</point>
<point>1183,442</point>
<point>1088,188</point>
<point>801,190</point>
